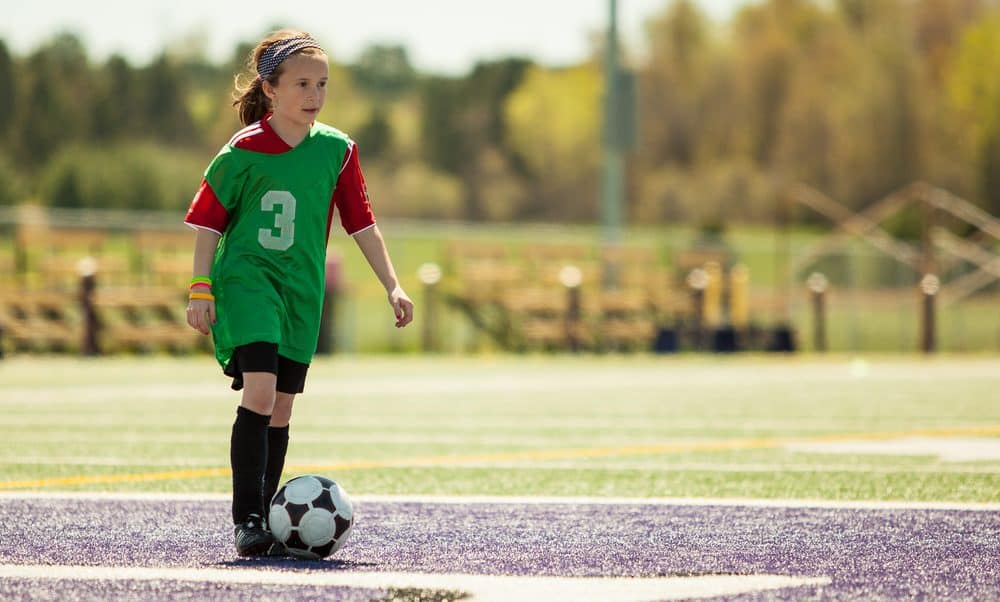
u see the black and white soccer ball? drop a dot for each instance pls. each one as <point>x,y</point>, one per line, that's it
<point>312,516</point>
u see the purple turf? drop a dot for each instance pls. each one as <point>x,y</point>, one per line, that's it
<point>868,554</point>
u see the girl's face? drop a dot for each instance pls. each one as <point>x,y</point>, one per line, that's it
<point>301,88</point>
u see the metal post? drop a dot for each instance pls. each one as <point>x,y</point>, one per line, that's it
<point>571,277</point>
<point>88,288</point>
<point>614,161</point>
<point>817,284</point>
<point>429,274</point>
<point>929,287</point>
<point>697,280</point>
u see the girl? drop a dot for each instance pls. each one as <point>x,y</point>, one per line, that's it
<point>262,217</point>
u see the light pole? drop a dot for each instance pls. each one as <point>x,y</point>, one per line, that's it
<point>618,137</point>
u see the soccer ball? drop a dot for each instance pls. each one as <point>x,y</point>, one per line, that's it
<point>312,516</point>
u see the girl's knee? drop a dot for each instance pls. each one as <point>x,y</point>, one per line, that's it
<point>282,409</point>
<point>258,392</point>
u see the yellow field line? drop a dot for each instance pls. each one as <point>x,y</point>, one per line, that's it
<point>527,456</point>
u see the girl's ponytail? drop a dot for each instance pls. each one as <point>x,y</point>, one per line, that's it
<point>250,101</point>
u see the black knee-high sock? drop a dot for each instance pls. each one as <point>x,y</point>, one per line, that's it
<point>277,447</point>
<point>248,458</point>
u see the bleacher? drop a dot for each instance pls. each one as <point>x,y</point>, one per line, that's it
<point>85,290</point>
<point>560,296</point>
<point>93,291</point>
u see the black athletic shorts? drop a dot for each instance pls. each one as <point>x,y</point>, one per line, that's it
<point>263,357</point>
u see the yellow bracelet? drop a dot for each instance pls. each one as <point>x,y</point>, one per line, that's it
<point>205,296</point>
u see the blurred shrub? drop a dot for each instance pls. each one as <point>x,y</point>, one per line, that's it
<point>413,190</point>
<point>128,176</point>
<point>11,185</point>
<point>717,193</point>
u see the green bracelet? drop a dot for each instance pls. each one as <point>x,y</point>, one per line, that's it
<point>205,280</point>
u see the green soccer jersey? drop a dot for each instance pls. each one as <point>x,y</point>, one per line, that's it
<point>268,271</point>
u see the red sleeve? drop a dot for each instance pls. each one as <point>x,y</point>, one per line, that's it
<point>350,197</point>
<point>206,211</point>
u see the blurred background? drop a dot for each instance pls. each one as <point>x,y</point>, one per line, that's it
<point>634,176</point>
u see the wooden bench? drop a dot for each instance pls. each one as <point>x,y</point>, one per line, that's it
<point>624,320</point>
<point>40,321</point>
<point>555,253</point>
<point>164,257</point>
<point>537,317</point>
<point>55,258</point>
<point>485,281</point>
<point>145,320</point>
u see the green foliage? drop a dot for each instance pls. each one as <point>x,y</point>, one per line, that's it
<point>414,190</point>
<point>444,145</point>
<point>11,185</point>
<point>164,98</point>
<point>9,96</point>
<point>136,176</point>
<point>384,70</point>
<point>721,193</point>
<point>56,87</point>
<point>375,135</point>
<point>553,125</point>
<point>974,89</point>
<point>856,98</point>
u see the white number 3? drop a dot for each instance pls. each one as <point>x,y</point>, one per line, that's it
<point>284,220</point>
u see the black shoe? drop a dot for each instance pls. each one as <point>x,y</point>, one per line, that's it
<point>277,549</point>
<point>252,539</point>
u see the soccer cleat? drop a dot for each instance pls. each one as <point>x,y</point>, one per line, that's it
<point>277,549</point>
<point>252,539</point>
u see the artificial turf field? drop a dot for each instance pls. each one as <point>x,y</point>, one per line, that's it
<point>859,478</point>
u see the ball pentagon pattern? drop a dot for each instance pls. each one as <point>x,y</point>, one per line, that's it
<point>312,516</point>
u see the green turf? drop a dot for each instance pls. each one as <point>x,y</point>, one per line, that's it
<point>631,426</point>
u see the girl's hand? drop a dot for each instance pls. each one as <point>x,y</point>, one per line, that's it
<point>201,314</point>
<point>401,306</point>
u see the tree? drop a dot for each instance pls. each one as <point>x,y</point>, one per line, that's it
<point>9,97</point>
<point>673,83</point>
<point>553,120</point>
<point>464,133</point>
<point>974,89</point>
<point>376,134</point>
<point>116,100</point>
<point>164,102</point>
<point>444,146</point>
<point>60,91</point>
<point>384,70</point>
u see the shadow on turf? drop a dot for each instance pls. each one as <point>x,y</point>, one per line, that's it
<point>298,563</point>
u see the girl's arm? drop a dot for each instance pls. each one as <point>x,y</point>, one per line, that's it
<point>373,247</point>
<point>201,312</point>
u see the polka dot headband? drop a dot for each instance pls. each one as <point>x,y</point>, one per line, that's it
<point>279,51</point>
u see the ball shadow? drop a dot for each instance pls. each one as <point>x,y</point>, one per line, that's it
<point>288,562</point>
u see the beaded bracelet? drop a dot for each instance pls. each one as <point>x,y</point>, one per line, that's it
<point>205,296</point>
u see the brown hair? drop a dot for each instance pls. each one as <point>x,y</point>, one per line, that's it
<point>249,99</point>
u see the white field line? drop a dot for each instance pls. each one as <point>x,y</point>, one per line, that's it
<point>484,588</point>
<point>488,430</point>
<point>158,433</point>
<point>519,376</point>
<point>532,500</point>
<point>483,425</point>
<point>437,428</point>
<point>583,464</point>
<point>109,461</point>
